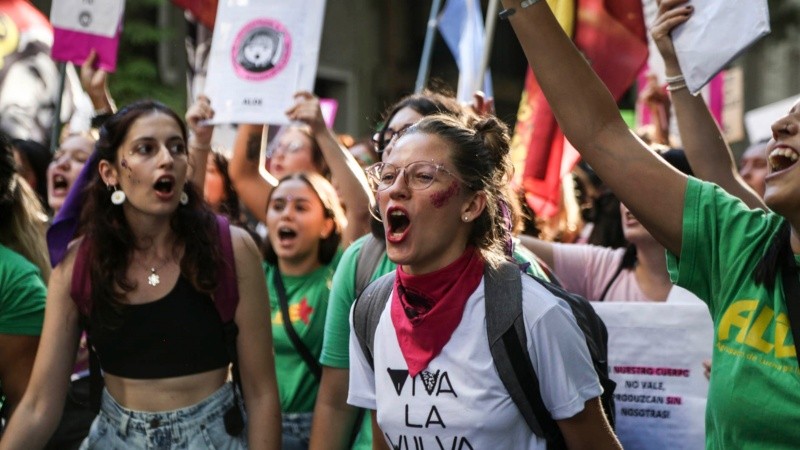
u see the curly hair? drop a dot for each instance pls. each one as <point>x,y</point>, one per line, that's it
<point>112,240</point>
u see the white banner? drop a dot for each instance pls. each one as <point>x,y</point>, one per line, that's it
<point>99,17</point>
<point>656,353</point>
<point>261,54</point>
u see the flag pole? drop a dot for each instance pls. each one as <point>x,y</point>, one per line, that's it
<point>427,48</point>
<point>488,38</point>
<point>55,131</point>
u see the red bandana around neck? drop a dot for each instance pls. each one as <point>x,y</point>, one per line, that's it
<point>426,309</point>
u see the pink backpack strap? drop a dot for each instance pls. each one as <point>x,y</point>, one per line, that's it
<point>81,288</point>
<point>226,297</point>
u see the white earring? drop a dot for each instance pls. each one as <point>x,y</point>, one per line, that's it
<point>184,198</point>
<point>118,197</point>
<point>466,218</point>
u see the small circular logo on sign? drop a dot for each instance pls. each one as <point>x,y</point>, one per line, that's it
<point>85,19</point>
<point>261,49</point>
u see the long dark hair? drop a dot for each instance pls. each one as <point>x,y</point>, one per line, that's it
<point>229,206</point>
<point>112,240</point>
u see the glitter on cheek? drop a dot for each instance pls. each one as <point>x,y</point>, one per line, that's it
<point>441,198</point>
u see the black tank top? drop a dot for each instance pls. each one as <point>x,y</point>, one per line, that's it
<point>179,334</point>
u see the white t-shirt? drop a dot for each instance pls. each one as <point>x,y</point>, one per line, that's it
<point>459,401</point>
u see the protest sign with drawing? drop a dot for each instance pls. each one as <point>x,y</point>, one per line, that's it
<point>655,355</point>
<point>261,54</point>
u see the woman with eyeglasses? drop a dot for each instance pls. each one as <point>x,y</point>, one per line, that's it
<point>440,193</point>
<point>307,145</point>
<point>338,425</point>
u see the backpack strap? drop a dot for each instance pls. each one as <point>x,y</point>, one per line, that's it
<point>367,312</point>
<point>311,362</point>
<point>226,299</point>
<point>613,279</point>
<point>368,259</point>
<point>505,328</point>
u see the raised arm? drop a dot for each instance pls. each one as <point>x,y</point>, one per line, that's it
<point>95,82</point>
<point>345,170</point>
<point>252,188</point>
<point>589,118</point>
<point>199,139</point>
<point>36,417</point>
<point>254,346</point>
<point>705,146</point>
<point>540,248</point>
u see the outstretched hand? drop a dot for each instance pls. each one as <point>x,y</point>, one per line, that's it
<point>671,13</point>
<point>95,82</point>
<point>199,112</point>
<point>306,109</point>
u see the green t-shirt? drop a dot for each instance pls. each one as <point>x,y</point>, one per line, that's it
<point>754,392</point>
<point>22,296</point>
<point>307,296</point>
<point>335,348</point>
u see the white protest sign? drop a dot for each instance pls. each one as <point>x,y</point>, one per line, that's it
<point>759,121</point>
<point>717,32</point>
<point>262,53</point>
<point>99,17</point>
<point>655,355</point>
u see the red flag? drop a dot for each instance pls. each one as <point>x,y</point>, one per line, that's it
<point>611,34</point>
<point>205,11</point>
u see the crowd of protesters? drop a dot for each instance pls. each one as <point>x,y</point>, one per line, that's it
<point>183,298</point>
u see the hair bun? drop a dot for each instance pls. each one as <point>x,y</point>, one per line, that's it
<point>494,134</point>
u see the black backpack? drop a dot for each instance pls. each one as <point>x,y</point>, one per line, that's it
<point>507,341</point>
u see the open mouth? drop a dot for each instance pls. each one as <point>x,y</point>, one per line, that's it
<point>782,158</point>
<point>60,183</point>
<point>286,234</point>
<point>398,224</point>
<point>164,185</point>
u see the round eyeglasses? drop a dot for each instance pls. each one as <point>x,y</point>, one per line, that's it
<point>383,138</point>
<point>417,175</point>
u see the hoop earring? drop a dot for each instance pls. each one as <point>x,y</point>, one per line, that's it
<point>184,198</point>
<point>373,211</point>
<point>117,197</point>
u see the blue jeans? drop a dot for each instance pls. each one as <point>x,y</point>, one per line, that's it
<point>199,426</point>
<point>296,431</point>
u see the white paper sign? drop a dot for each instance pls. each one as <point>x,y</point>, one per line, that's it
<point>100,17</point>
<point>759,121</point>
<point>655,354</point>
<point>262,53</point>
<point>717,32</point>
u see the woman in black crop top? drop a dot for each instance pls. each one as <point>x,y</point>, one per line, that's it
<point>152,253</point>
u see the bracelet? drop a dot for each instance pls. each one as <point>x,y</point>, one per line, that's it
<point>676,86</point>
<point>675,79</point>
<point>506,13</point>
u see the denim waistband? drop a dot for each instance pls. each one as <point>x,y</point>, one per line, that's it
<point>207,410</point>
